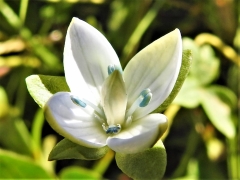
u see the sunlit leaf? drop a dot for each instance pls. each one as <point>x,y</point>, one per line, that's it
<point>225,94</point>
<point>149,164</point>
<point>205,65</point>
<point>218,112</point>
<point>41,87</point>
<point>66,149</point>
<point>188,96</point>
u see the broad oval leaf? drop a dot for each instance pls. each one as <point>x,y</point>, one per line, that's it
<point>188,96</point>
<point>218,112</point>
<point>66,149</point>
<point>42,87</point>
<point>149,164</point>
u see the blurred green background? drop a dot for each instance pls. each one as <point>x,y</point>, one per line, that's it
<point>203,139</point>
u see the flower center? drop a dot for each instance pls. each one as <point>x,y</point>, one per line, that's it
<point>112,113</point>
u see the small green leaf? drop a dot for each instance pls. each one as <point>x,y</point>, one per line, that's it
<point>218,112</point>
<point>41,87</point>
<point>14,166</point>
<point>75,172</point>
<point>66,149</point>
<point>205,66</point>
<point>149,164</point>
<point>188,96</point>
<point>185,67</point>
<point>225,94</point>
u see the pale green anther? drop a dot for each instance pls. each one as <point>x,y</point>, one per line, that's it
<point>145,92</point>
<point>147,96</point>
<point>78,102</point>
<point>112,129</point>
<point>143,100</point>
<point>112,68</point>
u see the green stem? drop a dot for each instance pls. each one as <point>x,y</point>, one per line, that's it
<point>23,10</point>
<point>37,128</point>
<point>10,15</point>
<point>102,165</point>
<point>233,159</point>
<point>190,149</point>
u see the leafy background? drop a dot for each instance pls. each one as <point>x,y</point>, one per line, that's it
<point>202,141</point>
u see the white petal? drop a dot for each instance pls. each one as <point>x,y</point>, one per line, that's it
<point>141,135</point>
<point>114,98</point>
<point>73,122</point>
<point>155,67</point>
<point>87,55</point>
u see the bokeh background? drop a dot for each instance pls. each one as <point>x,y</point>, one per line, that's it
<point>202,141</point>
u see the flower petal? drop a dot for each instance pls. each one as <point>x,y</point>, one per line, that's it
<point>114,98</point>
<point>142,134</point>
<point>155,67</point>
<point>87,55</point>
<point>74,122</point>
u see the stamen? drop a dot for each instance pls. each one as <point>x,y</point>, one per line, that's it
<point>83,103</point>
<point>143,100</point>
<point>78,102</point>
<point>147,96</point>
<point>128,121</point>
<point>112,68</point>
<point>111,129</point>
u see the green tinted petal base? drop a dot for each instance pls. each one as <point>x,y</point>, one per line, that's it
<point>66,149</point>
<point>149,164</point>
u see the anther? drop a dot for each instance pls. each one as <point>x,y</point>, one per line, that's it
<point>111,129</point>
<point>147,96</point>
<point>83,103</point>
<point>78,102</point>
<point>112,68</point>
<point>143,100</point>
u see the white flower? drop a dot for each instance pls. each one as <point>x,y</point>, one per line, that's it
<point>108,106</point>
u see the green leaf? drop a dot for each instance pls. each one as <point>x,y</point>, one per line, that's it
<point>18,137</point>
<point>66,149</point>
<point>185,67</point>
<point>225,94</point>
<point>14,166</point>
<point>188,96</point>
<point>205,67</point>
<point>41,87</point>
<point>149,164</point>
<point>218,112</point>
<point>75,172</point>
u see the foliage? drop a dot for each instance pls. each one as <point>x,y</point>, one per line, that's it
<point>202,141</point>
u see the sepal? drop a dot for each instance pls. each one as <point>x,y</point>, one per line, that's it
<point>66,149</point>
<point>42,87</point>
<point>148,164</point>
